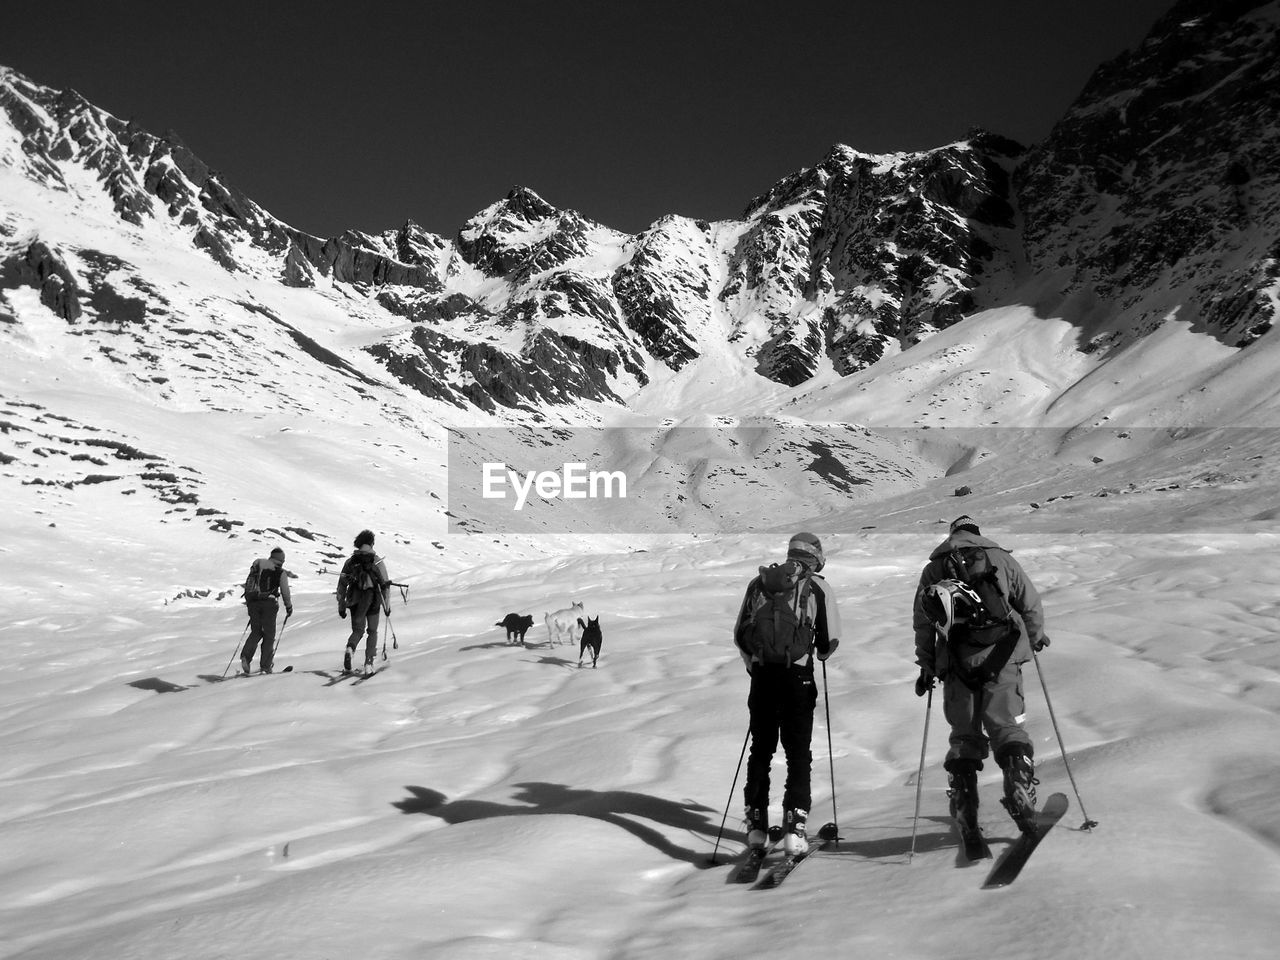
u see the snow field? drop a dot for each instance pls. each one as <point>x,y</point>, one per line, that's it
<point>478,799</point>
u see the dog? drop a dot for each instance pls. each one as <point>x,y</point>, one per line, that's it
<point>591,638</point>
<point>563,623</point>
<point>516,626</point>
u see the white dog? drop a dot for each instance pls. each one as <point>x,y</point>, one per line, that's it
<point>563,623</point>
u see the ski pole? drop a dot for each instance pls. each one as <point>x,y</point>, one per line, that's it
<point>728,802</point>
<point>928,704</point>
<point>831,757</point>
<point>1088,823</point>
<point>239,643</point>
<point>279,636</point>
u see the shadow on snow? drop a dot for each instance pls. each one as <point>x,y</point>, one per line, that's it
<point>619,808</point>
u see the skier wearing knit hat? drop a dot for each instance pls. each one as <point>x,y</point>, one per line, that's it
<point>267,581</point>
<point>977,617</point>
<point>788,616</point>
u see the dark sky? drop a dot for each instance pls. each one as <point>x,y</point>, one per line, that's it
<point>365,115</point>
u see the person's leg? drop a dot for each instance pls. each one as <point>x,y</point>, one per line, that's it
<point>270,610</point>
<point>762,705</point>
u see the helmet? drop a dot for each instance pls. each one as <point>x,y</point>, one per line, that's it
<point>807,548</point>
<point>949,602</point>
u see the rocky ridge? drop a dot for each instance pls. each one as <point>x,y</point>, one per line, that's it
<point>1153,198</point>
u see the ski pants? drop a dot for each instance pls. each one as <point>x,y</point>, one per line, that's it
<point>262,629</point>
<point>988,717</point>
<point>780,704</point>
<point>365,615</point>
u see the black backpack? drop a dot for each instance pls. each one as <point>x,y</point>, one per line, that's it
<point>779,628</point>
<point>261,583</point>
<point>991,623</point>
<point>361,573</point>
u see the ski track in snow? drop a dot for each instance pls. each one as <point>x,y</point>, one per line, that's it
<point>480,800</point>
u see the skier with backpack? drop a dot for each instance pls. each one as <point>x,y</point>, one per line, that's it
<point>977,617</point>
<point>788,616</point>
<point>267,580</point>
<point>362,589</point>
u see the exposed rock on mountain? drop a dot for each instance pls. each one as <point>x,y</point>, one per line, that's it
<point>1154,198</point>
<point>1158,192</point>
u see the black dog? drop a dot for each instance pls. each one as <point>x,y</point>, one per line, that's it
<point>590,638</point>
<point>516,626</point>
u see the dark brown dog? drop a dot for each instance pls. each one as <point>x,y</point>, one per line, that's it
<point>591,639</point>
<point>516,626</point>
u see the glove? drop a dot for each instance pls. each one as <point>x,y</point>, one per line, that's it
<point>288,612</point>
<point>1040,644</point>
<point>924,682</point>
<point>831,648</point>
<point>342,612</point>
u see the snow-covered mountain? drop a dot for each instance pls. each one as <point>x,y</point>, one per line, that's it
<point>1151,199</point>
<point>1123,273</point>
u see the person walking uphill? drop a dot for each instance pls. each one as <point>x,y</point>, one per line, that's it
<point>788,614</point>
<point>977,617</point>
<point>267,580</point>
<point>362,589</point>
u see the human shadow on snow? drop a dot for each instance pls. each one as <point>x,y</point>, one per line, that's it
<point>619,808</point>
<point>158,685</point>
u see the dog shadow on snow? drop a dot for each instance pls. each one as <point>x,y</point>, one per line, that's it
<point>619,808</point>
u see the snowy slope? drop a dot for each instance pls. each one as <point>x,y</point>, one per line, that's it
<point>479,800</point>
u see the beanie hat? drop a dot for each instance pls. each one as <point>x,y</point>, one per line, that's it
<point>807,548</point>
<point>363,537</point>
<point>965,522</point>
<point>278,552</point>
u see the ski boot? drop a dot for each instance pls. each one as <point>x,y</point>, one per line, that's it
<point>246,665</point>
<point>962,791</point>
<point>757,828</point>
<point>346,659</point>
<point>1020,786</point>
<point>368,667</point>
<point>794,840</point>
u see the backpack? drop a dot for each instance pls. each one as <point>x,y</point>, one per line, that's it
<point>982,615</point>
<point>779,627</point>
<point>361,573</point>
<point>261,583</point>
<point>989,620</point>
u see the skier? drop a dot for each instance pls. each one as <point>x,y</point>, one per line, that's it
<point>977,617</point>
<point>362,589</point>
<point>788,614</point>
<point>267,580</point>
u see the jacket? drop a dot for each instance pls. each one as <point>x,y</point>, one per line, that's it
<point>1013,582</point>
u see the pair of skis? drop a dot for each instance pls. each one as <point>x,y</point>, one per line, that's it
<point>974,844</point>
<point>261,673</point>
<point>1016,857</point>
<point>355,676</point>
<point>749,868</point>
